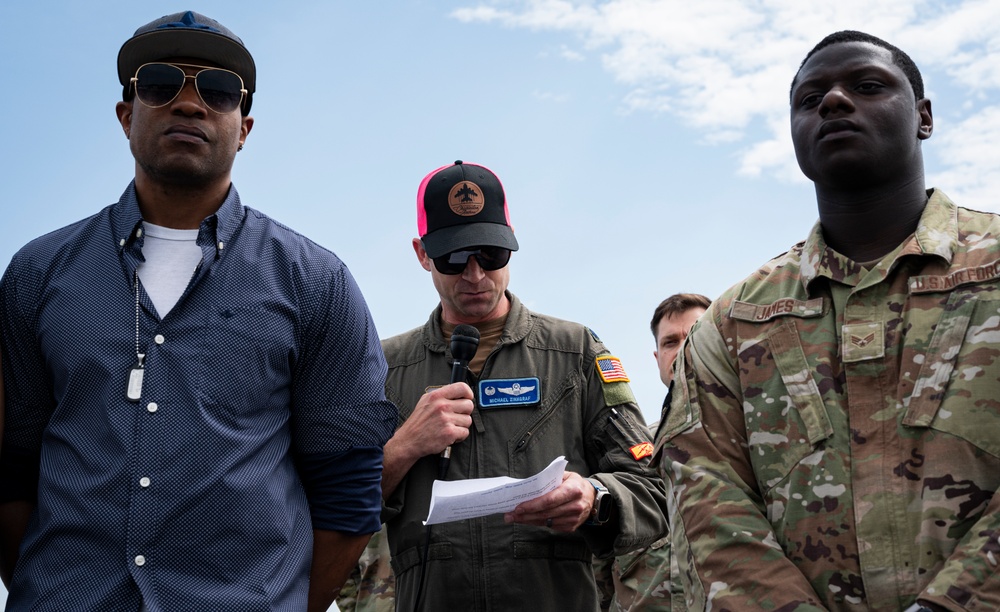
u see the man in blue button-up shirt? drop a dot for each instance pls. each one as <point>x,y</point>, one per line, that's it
<point>195,405</point>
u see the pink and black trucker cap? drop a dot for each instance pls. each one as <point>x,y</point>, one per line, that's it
<point>187,34</point>
<point>461,206</point>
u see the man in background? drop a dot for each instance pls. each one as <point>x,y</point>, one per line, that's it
<point>194,392</point>
<point>641,580</point>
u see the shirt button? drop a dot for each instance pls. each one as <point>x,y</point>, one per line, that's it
<point>140,560</point>
<point>222,245</point>
<point>152,407</point>
<point>159,339</point>
<point>144,482</point>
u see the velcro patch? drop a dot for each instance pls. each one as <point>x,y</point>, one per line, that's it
<point>863,341</point>
<point>756,313</point>
<point>502,392</point>
<point>962,276</point>
<point>611,370</point>
<point>641,450</point>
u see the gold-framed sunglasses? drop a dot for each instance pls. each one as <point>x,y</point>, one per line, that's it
<point>157,84</point>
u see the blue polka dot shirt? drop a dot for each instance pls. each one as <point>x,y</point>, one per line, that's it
<point>261,416</point>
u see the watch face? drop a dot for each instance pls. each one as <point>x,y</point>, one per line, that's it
<point>604,504</point>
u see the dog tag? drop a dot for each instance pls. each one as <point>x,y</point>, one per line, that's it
<point>134,391</point>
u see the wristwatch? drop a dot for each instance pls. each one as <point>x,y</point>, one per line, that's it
<point>603,503</point>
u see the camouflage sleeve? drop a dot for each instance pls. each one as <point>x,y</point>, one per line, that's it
<point>371,586</point>
<point>727,553</point>
<point>347,599</point>
<point>969,578</point>
<point>605,581</point>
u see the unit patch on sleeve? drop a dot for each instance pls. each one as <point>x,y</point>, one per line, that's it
<point>641,450</point>
<point>611,370</point>
<point>500,392</point>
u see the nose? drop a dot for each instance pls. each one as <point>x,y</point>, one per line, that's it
<point>189,96</point>
<point>473,271</point>
<point>836,100</point>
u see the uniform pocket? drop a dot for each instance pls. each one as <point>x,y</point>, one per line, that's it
<point>784,427</point>
<point>957,389</point>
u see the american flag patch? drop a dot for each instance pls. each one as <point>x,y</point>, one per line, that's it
<point>642,450</point>
<point>610,369</point>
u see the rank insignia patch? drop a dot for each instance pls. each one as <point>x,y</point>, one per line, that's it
<point>498,393</point>
<point>641,450</point>
<point>611,370</point>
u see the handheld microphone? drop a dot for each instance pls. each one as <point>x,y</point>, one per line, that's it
<point>464,342</point>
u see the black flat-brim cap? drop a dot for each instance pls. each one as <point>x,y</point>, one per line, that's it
<point>186,34</point>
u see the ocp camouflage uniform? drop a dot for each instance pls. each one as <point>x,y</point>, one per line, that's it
<point>834,438</point>
<point>371,586</point>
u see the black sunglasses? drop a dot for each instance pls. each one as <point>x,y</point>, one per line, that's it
<point>157,84</point>
<point>488,258</point>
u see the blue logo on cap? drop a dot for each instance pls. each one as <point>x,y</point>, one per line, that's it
<point>187,21</point>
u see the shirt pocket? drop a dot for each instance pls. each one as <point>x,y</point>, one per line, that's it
<point>785,416</point>
<point>247,355</point>
<point>957,387</point>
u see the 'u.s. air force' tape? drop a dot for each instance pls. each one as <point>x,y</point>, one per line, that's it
<point>509,392</point>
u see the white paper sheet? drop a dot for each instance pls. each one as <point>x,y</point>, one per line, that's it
<point>456,500</point>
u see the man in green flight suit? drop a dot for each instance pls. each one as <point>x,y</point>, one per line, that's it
<point>537,388</point>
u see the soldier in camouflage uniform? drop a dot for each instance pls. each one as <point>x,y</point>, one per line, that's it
<point>834,438</point>
<point>371,587</point>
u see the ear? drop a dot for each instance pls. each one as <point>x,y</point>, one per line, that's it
<point>418,248</point>
<point>245,129</point>
<point>926,119</point>
<point>656,354</point>
<point>124,112</point>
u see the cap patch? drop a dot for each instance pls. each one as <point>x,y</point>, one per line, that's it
<point>641,450</point>
<point>611,370</point>
<point>466,199</point>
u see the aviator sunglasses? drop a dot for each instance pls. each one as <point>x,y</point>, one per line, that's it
<point>488,257</point>
<point>157,84</point>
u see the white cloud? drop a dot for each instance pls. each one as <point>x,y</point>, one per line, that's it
<point>724,66</point>
<point>570,55</point>
<point>972,176</point>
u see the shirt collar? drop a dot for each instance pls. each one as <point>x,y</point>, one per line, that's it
<point>936,236</point>
<point>126,221</point>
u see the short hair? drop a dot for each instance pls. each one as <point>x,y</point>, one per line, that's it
<point>677,304</point>
<point>899,57</point>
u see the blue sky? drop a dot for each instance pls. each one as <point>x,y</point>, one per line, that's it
<point>643,144</point>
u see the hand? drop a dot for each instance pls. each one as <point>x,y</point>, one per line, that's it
<point>563,509</point>
<point>441,418</point>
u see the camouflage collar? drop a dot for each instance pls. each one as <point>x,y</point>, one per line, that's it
<point>936,236</point>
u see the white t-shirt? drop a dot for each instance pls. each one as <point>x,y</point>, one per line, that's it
<point>172,256</point>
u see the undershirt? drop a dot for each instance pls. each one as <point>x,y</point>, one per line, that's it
<point>172,255</point>
<point>489,335</point>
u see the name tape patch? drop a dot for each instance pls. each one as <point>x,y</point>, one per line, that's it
<point>509,392</point>
<point>963,276</point>
<point>611,370</point>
